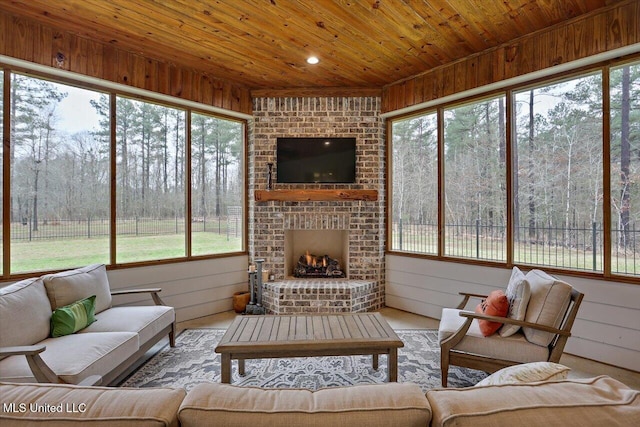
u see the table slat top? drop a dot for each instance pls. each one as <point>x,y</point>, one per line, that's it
<point>311,330</point>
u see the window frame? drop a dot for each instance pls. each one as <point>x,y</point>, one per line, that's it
<point>452,106</point>
<point>509,91</point>
<point>539,84</point>
<point>390,160</point>
<point>114,90</point>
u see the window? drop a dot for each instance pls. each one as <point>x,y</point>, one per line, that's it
<point>216,185</point>
<point>521,180</point>
<point>414,177</point>
<point>625,168</point>
<point>474,180</point>
<point>59,177</point>
<point>558,175</point>
<point>150,181</point>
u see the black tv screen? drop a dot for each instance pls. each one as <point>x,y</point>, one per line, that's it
<point>316,160</point>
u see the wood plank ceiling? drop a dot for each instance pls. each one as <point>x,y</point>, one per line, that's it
<point>263,44</point>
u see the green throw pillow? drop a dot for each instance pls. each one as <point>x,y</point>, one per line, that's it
<point>73,317</point>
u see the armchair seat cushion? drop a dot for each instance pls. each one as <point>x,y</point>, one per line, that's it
<point>147,320</point>
<point>514,348</point>
<point>75,357</point>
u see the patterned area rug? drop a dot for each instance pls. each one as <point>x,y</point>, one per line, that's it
<point>194,361</point>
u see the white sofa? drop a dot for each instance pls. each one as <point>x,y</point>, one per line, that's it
<point>600,401</point>
<point>97,354</point>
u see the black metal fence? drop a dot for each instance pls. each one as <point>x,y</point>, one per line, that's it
<point>579,247</point>
<point>229,225</point>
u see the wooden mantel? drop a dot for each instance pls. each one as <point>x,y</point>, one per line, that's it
<point>315,195</point>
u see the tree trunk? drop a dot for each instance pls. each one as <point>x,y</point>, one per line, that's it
<point>567,209</point>
<point>12,151</point>
<point>203,170</point>
<point>492,203</point>
<point>514,177</point>
<point>145,160</point>
<point>34,224</point>
<point>47,148</point>
<point>502,132</point>
<point>225,167</point>
<point>625,160</point>
<point>165,158</point>
<point>178,166</point>
<point>530,174</point>
<point>124,194</point>
<point>218,168</point>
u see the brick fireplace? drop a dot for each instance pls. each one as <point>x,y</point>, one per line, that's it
<point>352,229</point>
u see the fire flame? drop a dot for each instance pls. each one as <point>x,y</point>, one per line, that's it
<point>314,261</point>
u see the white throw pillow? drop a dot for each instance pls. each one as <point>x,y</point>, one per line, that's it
<point>518,293</point>
<point>527,373</point>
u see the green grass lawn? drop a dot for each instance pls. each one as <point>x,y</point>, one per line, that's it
<point>38,255</point>
<point>52,254</point>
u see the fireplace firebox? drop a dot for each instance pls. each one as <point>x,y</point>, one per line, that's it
<point>312,266</point>
<point>316,253</point>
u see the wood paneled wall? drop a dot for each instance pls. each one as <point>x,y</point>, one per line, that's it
<point>194,288</point>
<point>608,29</point>
<point>30,41</point>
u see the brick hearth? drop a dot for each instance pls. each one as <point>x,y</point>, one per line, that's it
<point>319,296</point>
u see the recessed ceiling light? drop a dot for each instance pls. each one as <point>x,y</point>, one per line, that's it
<point>313,60</point>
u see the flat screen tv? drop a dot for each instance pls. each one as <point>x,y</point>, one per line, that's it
<point>316,160</point>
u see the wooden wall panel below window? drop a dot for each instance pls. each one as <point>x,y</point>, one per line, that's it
<point>607,29</point>
<point>30,41</point>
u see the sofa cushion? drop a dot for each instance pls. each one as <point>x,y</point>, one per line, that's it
<point>113,407</point>
<point>70,286</point>
<point>547,306</point>
<point>527,373</point>
<point>515,348</point>
<point>75,357</point>
<point>518,293</point>
<point>24,313</point>
<point>600,401</point>
<point>73,317</point>
<point>383,405</point>
<point>147,321</point>
<point>495,304</point>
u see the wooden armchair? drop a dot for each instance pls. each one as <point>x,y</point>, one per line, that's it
<point>493,353</point>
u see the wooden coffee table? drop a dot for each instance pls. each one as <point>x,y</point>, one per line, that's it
<point>260,337</point>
